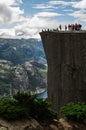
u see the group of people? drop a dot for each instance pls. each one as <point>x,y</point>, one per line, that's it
<point>76,27</point>
<point>72,27</point>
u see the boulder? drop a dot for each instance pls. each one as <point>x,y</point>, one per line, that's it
<point>30,124</point>
<point>3,128</point>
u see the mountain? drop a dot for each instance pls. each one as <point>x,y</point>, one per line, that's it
<point>19,51</point>
<point>28,77</point>
<point>5,77</point>
<point>22,66</point>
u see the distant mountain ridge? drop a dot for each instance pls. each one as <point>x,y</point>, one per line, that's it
<point>19,51</point>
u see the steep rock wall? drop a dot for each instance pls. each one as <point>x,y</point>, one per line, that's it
<point>66,58</point>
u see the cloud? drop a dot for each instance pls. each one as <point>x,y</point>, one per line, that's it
<point>5,13</point>
<point>47,14</point>
<point>7,33</point>
<point>17,14</point>
<point>81,4</point>
<point>75,7</point>
<point>52,4</point>
<point>10,13</point>
<point>19,32</point>
<point>68,10</point>
<point>31,27</point>
<point>10,2</point>
<point>10,16</point>
<point>80,15</point>
<point>44,6</point>
<point>60,2</point>
<point>19,1</point>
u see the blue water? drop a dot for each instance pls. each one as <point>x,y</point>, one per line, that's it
<point>43,95</point>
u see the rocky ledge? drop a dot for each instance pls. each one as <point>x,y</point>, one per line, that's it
<point>32,124</point>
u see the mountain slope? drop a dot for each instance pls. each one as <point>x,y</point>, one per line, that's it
<point>26,77</point>
<point>22,66</point>
<point>20,50</point>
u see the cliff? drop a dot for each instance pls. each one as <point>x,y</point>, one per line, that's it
<point>66,58</point>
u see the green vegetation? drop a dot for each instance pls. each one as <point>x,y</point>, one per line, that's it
<point>74,111</point>
<point>4,88</point>
<point>5,72</point>
<point>10,110</point>
<point>6,79</point>
<point>24,105</point>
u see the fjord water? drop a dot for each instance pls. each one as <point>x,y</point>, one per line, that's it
<point>43,95</point>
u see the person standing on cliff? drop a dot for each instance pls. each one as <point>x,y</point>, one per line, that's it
<point>69,27</point>
<point>65,28</point>
<point>60,27</point>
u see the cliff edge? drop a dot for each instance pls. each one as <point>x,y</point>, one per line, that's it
<point>66,58</point>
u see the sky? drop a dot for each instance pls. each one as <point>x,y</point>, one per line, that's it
<point>26,18</point>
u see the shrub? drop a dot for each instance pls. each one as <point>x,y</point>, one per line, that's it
<point>38,108</point>
<point>24,105</point>
<point>74,111</point>
<point>25,99</point>
<point>42,111</point>
<point>9,109</point>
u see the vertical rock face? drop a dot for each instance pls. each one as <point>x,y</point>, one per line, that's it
<point>66,57</point>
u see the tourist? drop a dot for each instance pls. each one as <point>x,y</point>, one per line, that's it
<point>79,27</point>
<point>65,27</point>
<point>69,27</point>
<point>76,27</point>
<point>60,27</point>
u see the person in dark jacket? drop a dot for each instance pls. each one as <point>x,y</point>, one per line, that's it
<point>60,27</point>
<point>65,27</point>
